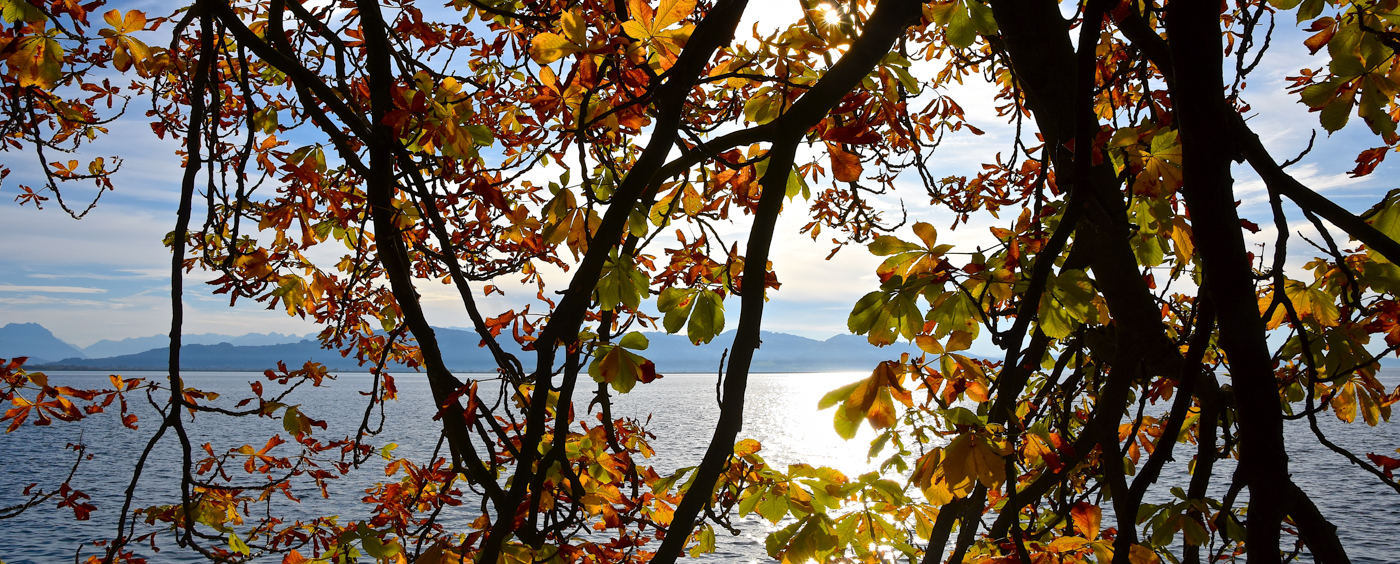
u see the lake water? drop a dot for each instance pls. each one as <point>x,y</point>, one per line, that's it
<point>781,414</point>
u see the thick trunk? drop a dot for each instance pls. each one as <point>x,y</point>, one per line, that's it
<point>1194,28</point>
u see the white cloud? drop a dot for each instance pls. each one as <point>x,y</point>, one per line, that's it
<point>52,289</point>
<point>46,300</point>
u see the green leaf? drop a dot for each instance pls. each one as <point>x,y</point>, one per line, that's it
<point>1317,95</point>
<point>637,224</point>
<point>481,134</point>
<point>837,396</point>
<point>956,311</point>
<point>635,341</point>
<point>1335,114</point>
<point>962,31</point>
<point>675,319</point>
<point>886,315</point>
<point>620,368</point>
<point>290,422</point>
<point>981,16</point>
<point>670,298</point>
<point>621,284</point>
<point>1385,217</point>
<point>377,548</point>
<point>704,541</point>
<point>885,245</point>
<point>15,11</point>
<point>706,318</point>
<point>773,507</point>
<point>1068,299</point>
<point>797,185</point>
<point>962,416</point>
<point>237,545</point>
<point>1309,10</point>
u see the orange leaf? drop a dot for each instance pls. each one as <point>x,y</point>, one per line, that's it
<point>844,166</point>
<point>1087,518</point>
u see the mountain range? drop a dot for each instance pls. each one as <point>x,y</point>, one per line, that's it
<point>41,346</point>
<point>779,352</point>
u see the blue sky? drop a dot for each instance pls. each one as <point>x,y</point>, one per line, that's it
<point>105,277</point>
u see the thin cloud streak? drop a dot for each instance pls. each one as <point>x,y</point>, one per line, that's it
<point>52,289</point>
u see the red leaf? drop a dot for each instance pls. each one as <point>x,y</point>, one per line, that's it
<point>648,372</point>
<point>491,195</point>
<point>1366,161</point>
<point>852,134</point>
<point>1250,225</point>
<point>1386,463</point>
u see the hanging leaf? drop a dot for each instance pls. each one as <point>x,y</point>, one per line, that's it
<point>845,166</point>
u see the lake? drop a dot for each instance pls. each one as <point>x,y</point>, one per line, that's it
<point>781,414</point>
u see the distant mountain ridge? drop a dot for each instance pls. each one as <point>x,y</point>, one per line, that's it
<point>779,352</point>
<point>36,342</point>
<point>132,345</point>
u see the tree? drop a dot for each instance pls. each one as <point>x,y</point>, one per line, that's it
<point>407,138</point>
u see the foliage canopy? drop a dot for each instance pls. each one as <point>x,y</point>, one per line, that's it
<point>418,138</point>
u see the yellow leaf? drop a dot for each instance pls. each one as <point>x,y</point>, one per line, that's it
<point>549,47</point>
<point>928,344</point>
<point>925,476</point>
<point>636,29</point>
<point>575,29</point>
<point>15,11</point>
<point>38,62</point>
<point>134,20</point>
<point>959,340</point>
<point>746,447</point>
<point>1181,236</point>
<point>671,12</point>
<point>1067,544</point>
<point>1138,554</point>
<point>1311,301</point>
<point>969,458</point>
<point>882,414</point>
<point>436,554</point>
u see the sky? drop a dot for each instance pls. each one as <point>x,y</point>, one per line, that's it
<point>106,276</point>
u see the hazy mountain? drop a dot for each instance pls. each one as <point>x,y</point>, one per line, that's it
<point>34,341</point>
<point>132,345</point>
<point>672,353</point>
<point>223,356</point>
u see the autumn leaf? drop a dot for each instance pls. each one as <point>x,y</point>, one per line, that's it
<point>845,167</point>
<point>621,368</point>
<point>1086,519</point>
<point>127,50</point>
<point>971,458</point>
<point>871,399</point>
<point>1366,161</point>
<point>651,27</point>
<point>38,62</point>
<point>910,260</point>
<point>548,47</point>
